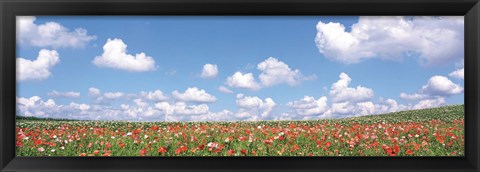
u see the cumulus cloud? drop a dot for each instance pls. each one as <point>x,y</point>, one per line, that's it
<point>193,94</point>
<point>442,86</point>
<point>224,89</point>
<point>272,72</point>
<point>436,40</point>
<point>50,34</point>
<point>94,92</point>
<point>181,108</point>
<point>83,107</point>
<point>209,71</point>
<point>275,72</point>
<point>437,86</point>
<point>115,56</point>
<point>69,94</point>
<point>457,73</point>
<point>240,80</point>
<point>389,105</point>
<point>430,103</point>
<point>38,69</point>
<point>341,92</point>
<point>137,109</point>
<point>224,115</point>
<point>113,95</point>
<point>107,97</point>
<point>309,106</point>
<point>349,109</point>
<point>156,95</point>
<point>254,108</point>
<point>415,96</point>
<point>37,107</point>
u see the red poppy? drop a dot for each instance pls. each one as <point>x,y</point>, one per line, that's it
<point>294,148</point>
<point>37,142</point>
<point>19,143</point>
<point>143,152</point>
<point>328,144</point>
<point>200,147</point>
<point>243,151</point>
<point>231,152</point>
<point>162,150</point>
<point>181,149</point>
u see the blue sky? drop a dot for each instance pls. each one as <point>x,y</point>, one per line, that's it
<point>372,60</point>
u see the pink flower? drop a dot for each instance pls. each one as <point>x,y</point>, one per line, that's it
<point>41,149</point>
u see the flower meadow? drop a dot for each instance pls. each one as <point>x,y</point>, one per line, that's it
<point>425,132</point>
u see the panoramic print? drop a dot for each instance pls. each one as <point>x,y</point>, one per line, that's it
<point>240,86</point>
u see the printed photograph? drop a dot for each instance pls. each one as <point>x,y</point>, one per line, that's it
<point>361,86</point>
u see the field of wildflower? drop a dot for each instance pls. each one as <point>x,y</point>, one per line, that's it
<point>426,132</point>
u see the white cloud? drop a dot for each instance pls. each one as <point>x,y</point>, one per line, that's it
<point>284,117</point>
<point>69,94</point>
<point>239,80</point>
<point>389,105</point>
<point>224,115</point>
<point>348,109</point>
<point>309,106</point>
<point>224,89</point>
<point>414,96</point>
<point>341,92</point>
<point>364,108</point>
<point>441,86</point>
<point>181,108</point>
<point>140,103</point>
<point>457,73</point>
<point>436,40</point>
<point>82,107</point>
<point>35,106</point>
<point>156,95</point>
<point>94,92</point>
<point>341,108</point>
<point>436,87</point>
<point>254,108</point>
<point>115,56</point>
<point>165,107</point>
<point>113,95</point>
<point>275,72</point>
<point>429,103</point>
<point>38,69</point>
<point>272,72</point>
<point>193,94</point>
<point>209,71</point>
<point>50,34</point>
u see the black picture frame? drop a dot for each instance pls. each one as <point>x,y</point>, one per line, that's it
<point>10,8</point>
